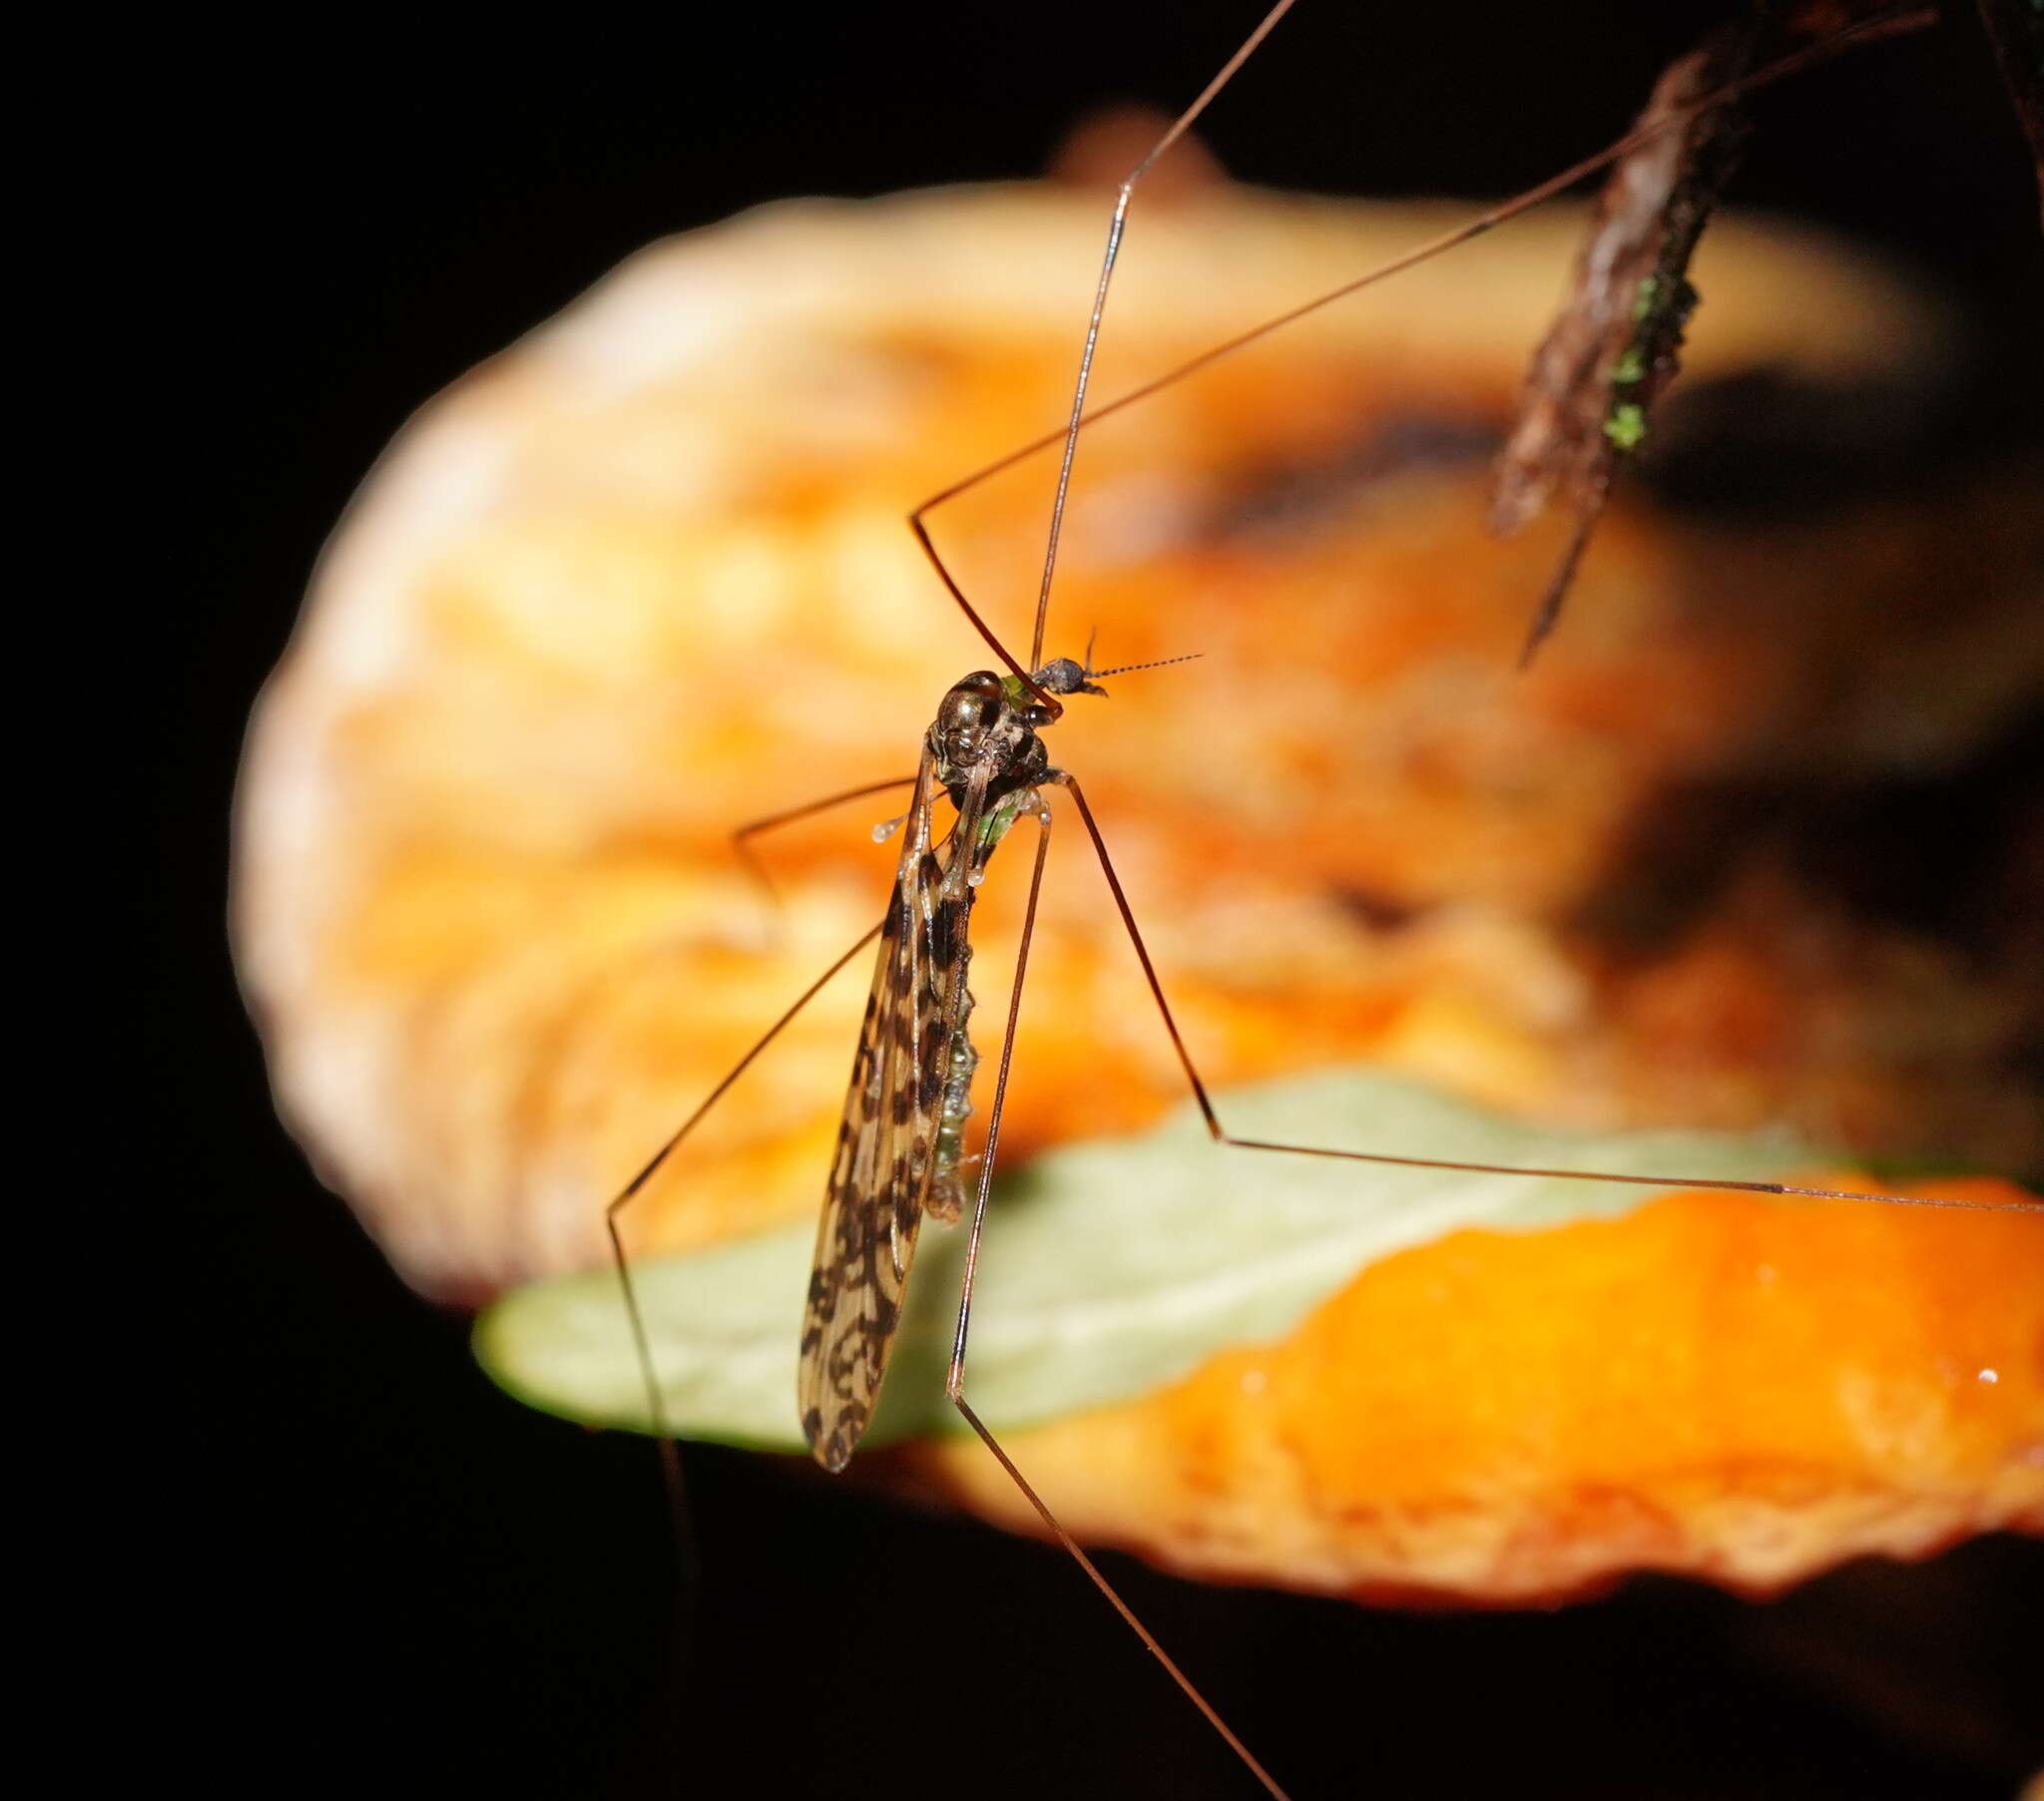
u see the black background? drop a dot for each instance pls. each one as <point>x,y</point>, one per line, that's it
<point>416,1581</point>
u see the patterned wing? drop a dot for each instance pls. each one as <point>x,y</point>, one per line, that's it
<point>887,1143</point>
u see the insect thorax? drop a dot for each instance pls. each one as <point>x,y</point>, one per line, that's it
<point>988,719</point>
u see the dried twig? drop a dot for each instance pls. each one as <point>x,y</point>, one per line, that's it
<point>1617,341</point>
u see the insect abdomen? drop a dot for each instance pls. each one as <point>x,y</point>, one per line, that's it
<point>946,1198</point>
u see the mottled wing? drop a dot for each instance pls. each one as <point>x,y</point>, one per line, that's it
<point>887,1143</point>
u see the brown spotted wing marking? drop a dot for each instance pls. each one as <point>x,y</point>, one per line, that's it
<point>886,1157</point>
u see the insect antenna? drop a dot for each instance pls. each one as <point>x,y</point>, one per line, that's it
<point>1128,668</point>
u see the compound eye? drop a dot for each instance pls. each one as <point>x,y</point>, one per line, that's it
<point>973,705</point>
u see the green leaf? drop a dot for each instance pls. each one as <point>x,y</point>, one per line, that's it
<point>1107,1270</point>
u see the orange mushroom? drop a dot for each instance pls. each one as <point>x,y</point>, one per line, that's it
<point>643,578</point>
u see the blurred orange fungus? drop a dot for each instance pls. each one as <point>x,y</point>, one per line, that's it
<point>644,578</point>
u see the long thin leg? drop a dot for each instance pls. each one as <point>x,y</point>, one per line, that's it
<point>1119,222</point>
<point>1221,1136</point>
<point>682,1649</point>
<point>740,839</point>
<point>954,1379</point>
<point>612,1214</point>
<point>1866,31</point>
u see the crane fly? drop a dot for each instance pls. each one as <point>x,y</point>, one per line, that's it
<point>901,1144</point>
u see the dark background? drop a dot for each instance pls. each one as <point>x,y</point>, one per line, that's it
<point>419,1581</point>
